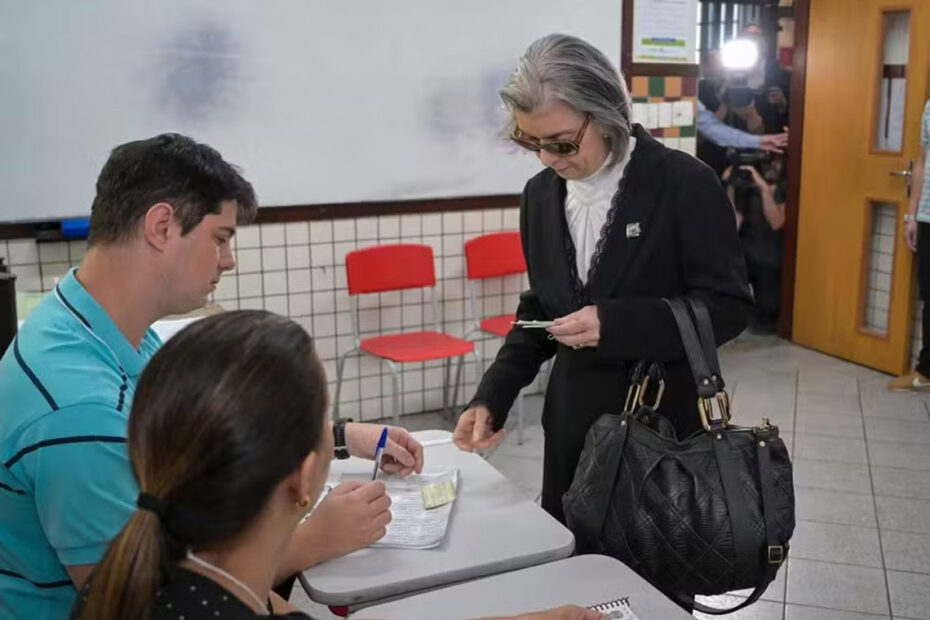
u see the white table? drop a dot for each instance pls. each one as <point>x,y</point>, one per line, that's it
<point>166,328</point>
<point>492,529</point>
<point>582,580</point>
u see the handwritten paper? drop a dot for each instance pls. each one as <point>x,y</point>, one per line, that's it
<point>413,525</point>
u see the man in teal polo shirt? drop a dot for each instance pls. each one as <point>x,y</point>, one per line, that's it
<point>66,385</point>
<point>161,223</point>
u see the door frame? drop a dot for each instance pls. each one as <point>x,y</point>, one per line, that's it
<point>793,198</point>
<point>795,124</point>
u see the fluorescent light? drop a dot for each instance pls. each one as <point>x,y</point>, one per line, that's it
<point>739,54</point>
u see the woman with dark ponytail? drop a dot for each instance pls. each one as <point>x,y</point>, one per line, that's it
<point>228,442</point>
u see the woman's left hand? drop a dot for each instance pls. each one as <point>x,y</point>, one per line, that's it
<point>578,329</point>
<point>402,455</point>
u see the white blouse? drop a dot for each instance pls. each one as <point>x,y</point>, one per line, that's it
<point>587,203</point>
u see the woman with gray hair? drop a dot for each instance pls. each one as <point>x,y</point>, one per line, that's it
<point>613,224</point>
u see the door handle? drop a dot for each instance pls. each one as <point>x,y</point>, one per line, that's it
<point>907,174</point>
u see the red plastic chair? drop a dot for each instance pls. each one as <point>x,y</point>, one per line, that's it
<point>494,255</point>
<point>393,268</point>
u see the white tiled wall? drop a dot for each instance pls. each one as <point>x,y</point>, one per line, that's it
<point>298,270</point>
<point>688,145</point>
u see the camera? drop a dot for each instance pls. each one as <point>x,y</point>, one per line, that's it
<point>740,96</point>
<point>744,157</point>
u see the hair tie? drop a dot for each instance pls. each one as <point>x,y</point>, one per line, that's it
<point>147,501</point>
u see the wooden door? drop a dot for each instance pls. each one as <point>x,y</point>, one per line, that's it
<point>866,84</point>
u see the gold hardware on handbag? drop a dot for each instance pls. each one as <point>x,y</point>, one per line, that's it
<point>776,554</point>
<point>706,410</point>
<point>659,392</point>
<point>632,397</point>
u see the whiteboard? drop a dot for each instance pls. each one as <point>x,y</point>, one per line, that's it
<point>317,101</point>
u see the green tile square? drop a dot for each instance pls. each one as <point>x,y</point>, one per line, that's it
<point>640,99</point>
<point>688,132</point>
<point>656,86</point>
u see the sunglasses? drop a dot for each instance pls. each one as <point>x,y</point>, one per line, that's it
<point>562,148</point>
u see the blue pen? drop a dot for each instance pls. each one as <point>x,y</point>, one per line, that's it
<point>379,451</point>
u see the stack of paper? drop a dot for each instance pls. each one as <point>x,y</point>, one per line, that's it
<point>413,525</point>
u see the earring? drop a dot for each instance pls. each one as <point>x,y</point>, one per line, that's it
<point>305,502</point>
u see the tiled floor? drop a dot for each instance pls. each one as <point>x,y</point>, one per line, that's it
<point>861,550</point>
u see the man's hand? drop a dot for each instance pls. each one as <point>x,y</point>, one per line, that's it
<point>774,142</point>
<point>354,515</point>
<point>578,329</point>
<point>402,455</point>
<point>475,430</point>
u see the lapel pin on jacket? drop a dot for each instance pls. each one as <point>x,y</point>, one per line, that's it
<point>633,229</point>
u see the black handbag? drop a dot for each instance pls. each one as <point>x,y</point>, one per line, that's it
<point>707,514</point>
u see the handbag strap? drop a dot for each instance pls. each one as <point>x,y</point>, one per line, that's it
<point>613,469</point>
<point>775,553</point>
<point>705,329</point>
<point>745,547</point>
<point>706,386</point>
<point>701,351</point>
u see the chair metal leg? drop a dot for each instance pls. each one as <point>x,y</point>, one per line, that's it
<point>459,378</point>
<point>520,400</point>
<point>340,368</point>
<point>445,383</point>
<point>479,363</point>
<point>397,391</point>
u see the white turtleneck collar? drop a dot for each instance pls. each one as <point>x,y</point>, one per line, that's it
<point>587,202</point>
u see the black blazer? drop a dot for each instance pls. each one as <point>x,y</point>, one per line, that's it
<point>671,231</point>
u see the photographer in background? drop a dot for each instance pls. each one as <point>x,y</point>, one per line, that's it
<point>765,84</point>
<point>727,118</point>
<point>755,186</point>
<point>742,100</point>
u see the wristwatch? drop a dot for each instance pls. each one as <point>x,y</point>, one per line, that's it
<point>341,450</point>
<point>910,217</point>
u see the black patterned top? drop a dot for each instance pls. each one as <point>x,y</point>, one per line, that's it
<point>191,596</point>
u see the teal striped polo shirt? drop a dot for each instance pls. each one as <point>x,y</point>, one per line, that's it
<point>66,485</point>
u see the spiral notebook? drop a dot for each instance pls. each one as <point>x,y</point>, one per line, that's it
<point>617,609</point>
